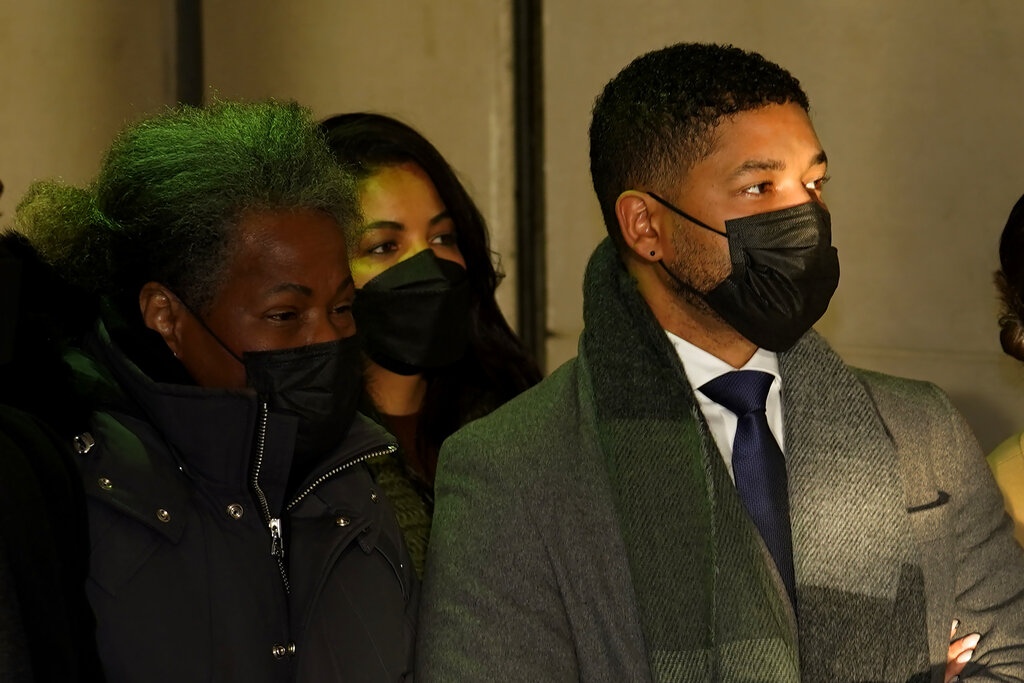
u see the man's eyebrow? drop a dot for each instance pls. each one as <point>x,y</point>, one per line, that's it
<point>773,164</point>
<point>759,165</point>
<point>444,215</point>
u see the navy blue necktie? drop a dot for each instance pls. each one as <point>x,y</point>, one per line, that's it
<point>758,465</point>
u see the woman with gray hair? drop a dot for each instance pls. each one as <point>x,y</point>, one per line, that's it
<point>236,534</point>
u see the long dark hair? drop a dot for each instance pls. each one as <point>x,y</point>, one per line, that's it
<point>1010,282</point>
<point>496,366</point>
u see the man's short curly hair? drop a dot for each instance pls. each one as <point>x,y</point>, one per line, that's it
<point>657,117</point>
<point>172,189</point>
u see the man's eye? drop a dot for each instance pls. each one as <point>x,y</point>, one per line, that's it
<point>342,309</point>
<point>282,316</point>
<point>818,184</point>
<point>760,188</point>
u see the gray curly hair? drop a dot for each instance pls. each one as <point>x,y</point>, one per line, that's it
<point>171,190</point>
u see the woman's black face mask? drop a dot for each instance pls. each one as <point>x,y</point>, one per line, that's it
<point>784,272</point>
<point>317,384</point>
<point>415,315</point>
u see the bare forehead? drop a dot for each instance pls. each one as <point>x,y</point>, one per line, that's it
<point>265,235</point>
<point>777,132</point>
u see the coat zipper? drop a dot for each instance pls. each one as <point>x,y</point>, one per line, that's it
<point>386,450</point>
<point>273,523</point>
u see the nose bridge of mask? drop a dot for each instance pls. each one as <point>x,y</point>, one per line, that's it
<point>804,227</point>
<point>297,368</point>
<point>420,270</point>
<point>801,226</point>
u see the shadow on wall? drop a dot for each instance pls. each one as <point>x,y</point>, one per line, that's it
<point>992,420</point>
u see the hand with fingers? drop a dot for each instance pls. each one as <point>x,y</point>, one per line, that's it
<point>960,652</point>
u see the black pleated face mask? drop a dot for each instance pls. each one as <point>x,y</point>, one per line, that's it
<point>784,273</point>
<point>415,315</point>
<point>318,384</point>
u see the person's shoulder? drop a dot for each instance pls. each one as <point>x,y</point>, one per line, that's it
<point>540,417</point>
<point>895,395</point>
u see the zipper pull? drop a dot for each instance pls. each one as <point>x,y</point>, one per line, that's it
<point>276,540</point>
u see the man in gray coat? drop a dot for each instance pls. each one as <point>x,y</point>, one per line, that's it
<point>707,492</point>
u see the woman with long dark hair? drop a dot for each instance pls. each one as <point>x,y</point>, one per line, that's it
<point>1007,460</point>
<point>439,352</point>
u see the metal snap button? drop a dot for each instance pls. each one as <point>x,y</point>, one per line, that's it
<point>106,484</point>
<point>373,496</point>
<point>83,443</point>
<point>163,515</point>
<point>342,521</point>
<point>281,651</point>
<point>235,511</point>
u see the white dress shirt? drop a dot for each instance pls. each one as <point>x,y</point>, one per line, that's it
<point>702,367</point>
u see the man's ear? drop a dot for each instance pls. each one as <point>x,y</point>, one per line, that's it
<point>162,312</point>
<point>640,233</point>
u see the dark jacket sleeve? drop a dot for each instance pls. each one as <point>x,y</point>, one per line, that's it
<point>989,581</point>
<point>492,607</point>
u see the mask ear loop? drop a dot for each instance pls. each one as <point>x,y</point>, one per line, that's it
<point>668,205</point>
<point>202,323</point>
<point>661,262</point>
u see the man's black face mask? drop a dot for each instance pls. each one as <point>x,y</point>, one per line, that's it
<point>784,272</point>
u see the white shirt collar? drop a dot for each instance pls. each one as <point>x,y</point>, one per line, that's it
<point>702,367</point>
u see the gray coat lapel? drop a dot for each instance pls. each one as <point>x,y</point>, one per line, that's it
<point>852,545</point>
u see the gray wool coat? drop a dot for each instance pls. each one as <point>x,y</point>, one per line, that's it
<point>528,577</point>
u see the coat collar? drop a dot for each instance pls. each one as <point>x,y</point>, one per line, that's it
<point>209,432</point>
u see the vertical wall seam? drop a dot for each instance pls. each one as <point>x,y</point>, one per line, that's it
<point>188,60</point>
<point>528,113</point>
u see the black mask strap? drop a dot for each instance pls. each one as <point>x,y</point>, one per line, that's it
<point>206,327</point>
<point>670,207</point>
<point>661,262</point>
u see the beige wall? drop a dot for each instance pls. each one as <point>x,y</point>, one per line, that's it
<point>919,105</point>
<point>443,67</point>
<point>71,74</point>
<point>74,72</point>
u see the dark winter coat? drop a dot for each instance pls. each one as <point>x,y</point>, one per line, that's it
<point>189,580</point>
<point>45,622</point>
